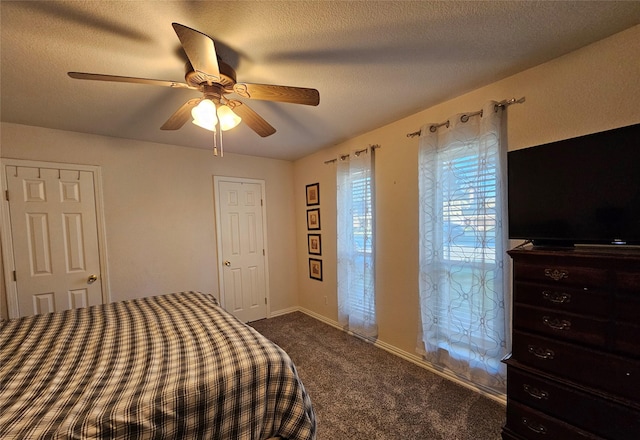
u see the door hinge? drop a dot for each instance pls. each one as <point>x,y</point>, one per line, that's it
<point>265,299</point>
<point>6,195</point>
<point>261,204</point>
<point>15,278</point>
<point>263,254</point>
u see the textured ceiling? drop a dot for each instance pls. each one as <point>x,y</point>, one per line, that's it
<point>372,62</point>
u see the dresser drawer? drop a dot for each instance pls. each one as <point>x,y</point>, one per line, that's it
<point>561,275</point>
<point>602,371</point>
<point>629,281</point>
<point>587,301</point>
<point>628,339</point>
<point>561,325</point>
<point>628,307</point>
<point>589,412</point>
<point>531,424</point>
<point>508,435</point>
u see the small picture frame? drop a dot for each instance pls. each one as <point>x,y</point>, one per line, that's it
<point>313,219</point>
<point>315,269</point>
<point>313,194</point>
<point>314,243</point>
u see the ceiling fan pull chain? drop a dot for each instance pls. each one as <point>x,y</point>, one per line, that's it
<point>215,143</point>
<point>221,146</point>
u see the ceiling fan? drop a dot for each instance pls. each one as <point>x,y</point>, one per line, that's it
<point>215,79</point>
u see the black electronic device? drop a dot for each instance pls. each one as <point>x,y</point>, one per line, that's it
<point>583,190</point>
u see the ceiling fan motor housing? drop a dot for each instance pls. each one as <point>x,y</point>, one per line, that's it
<point>227,77</point>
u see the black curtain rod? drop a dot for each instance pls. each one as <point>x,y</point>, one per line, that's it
<point>465,117</point>
<point>344,156</point>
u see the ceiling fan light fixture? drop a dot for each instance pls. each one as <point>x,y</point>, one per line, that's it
<point>204,115</point>
<point>228,119</point>
<point>205,125</point>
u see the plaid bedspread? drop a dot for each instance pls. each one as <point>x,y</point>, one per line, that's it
<point>167,367</point>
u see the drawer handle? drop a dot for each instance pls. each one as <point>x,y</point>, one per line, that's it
<point>557,324</point>
<point>542,353</point>
<point>535,427</point>
<point>556,274</point>
<point>535,392</point>
<point>556,297</point>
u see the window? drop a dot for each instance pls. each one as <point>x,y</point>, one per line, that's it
<point>468,244</point>
<point>356,274</point>
<point>462,255</point>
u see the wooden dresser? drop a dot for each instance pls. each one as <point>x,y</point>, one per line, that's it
<point>574,371</point>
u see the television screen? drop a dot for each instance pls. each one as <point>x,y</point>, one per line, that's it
<point>584,190</point>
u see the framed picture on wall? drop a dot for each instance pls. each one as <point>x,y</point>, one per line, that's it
<point>314,243</point>
<point>313,219</point>
<point>315,269</point>
<point>313,194</point>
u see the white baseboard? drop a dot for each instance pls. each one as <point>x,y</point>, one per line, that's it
<point>413,358</point>
<point>281,312</point>
<point>417,360</point>
<point>319,317</point>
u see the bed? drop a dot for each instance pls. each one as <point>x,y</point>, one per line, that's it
<point>174,366</point>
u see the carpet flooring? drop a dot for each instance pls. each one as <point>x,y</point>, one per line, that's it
<point>361,392</point>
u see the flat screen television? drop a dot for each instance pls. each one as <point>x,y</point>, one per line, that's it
<point>583,190</point>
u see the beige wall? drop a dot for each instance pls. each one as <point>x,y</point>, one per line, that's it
<point>159,209</point>
<point>592,89</point>
<point>159,200</point>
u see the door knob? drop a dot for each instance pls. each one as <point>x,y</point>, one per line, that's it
<point>92,279</point>
<point>227,263</point>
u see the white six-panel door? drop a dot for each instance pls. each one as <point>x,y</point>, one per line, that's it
<point>55,239</point>
<point>241,246</point>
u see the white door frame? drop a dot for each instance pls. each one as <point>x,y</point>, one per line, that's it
<point>11,289</point>
<point>216,180</point>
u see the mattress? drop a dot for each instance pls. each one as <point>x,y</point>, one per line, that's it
<point>174,366</point>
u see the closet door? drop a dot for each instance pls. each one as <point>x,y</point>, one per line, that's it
<point>54,233</point>
<point>242,248</point>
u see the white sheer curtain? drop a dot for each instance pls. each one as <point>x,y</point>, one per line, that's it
<point>356,266</point>
<point>463,238</point>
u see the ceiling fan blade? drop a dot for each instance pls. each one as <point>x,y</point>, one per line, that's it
<point>181,116</point>
<point>251,118</point>
<point>128,79</point>
<point>200,50</point>
<point>294,95</point>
